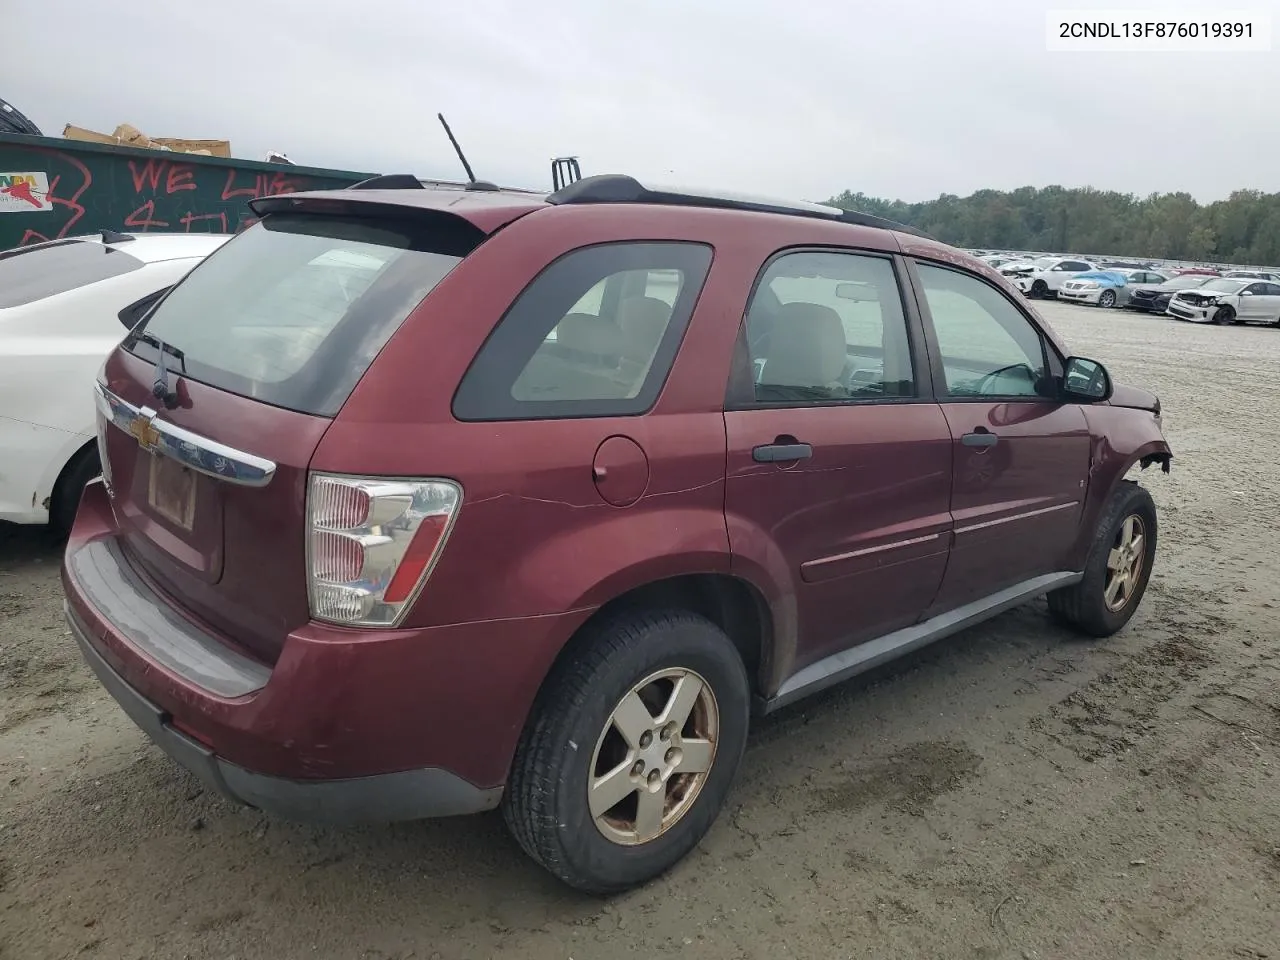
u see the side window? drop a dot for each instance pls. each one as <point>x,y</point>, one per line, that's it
<point>1257,289</point>
<point>595,334</point>
<point>988,348</point>
<point>828,326</point>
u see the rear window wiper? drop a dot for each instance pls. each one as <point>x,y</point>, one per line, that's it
<point>160,389</point>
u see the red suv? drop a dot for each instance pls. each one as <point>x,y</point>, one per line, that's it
<point>420,502</point>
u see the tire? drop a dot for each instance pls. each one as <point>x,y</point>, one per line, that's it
<point>1039,290</point>
<point>570,734</point>
<point>1224,315</point>
<point>1107,299</point>
<point>1084,606</point>
<point>80,469</point>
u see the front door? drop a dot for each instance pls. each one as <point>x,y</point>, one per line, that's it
<point>1020,455</point>
<point>839,464</point>
<point>1255,304</point>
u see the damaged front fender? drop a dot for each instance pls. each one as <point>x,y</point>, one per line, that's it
<point>1124,437</point>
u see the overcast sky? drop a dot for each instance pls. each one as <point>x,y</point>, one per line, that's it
<point>799,98</point>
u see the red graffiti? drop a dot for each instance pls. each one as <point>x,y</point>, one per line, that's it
<point>180,178</point>
<point>149,173</point>
<point>264,185</point>
<point>188,219</point>
<point>177,176</point>
<point>72,202</point>
<point>144,217</point>
<point>21,190</point>
<point>168,194</point>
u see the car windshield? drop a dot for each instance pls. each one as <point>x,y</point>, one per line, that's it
<point>1223,285</point>
<point>1186,283</point>
<point>1044,263</point>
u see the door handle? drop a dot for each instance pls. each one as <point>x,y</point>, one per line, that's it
<point>781,452</point>
<point>980,439</point>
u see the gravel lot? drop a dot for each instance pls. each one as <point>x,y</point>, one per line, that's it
<point>1013,792</point>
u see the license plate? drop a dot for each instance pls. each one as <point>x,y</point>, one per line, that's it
<point>171,491</point>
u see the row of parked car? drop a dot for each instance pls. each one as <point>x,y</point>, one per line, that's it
<point>1198,295</point>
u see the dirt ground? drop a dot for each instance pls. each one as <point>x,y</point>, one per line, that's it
<point>1013,792</point>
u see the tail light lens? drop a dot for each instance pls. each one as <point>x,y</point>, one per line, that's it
<point>371,543</point>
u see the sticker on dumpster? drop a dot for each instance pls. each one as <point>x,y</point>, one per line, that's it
<point>24,192</point>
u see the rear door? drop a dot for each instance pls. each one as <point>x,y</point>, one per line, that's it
<point>1020,456</point>
<point>839,460</point>
<point>214,404</point>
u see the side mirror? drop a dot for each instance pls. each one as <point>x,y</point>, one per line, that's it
<point>1085,381</point>
<point>1246,293</point>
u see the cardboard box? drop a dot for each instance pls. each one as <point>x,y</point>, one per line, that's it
<point>131,136</point>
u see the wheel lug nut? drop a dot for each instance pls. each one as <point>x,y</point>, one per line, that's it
<point>671,756</point>
<point>668,731</point>
<point>646,738</point>
<point>638,768</point>
<point>654,776</point>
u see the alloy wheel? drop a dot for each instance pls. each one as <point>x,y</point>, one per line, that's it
<point>653,756</point>
<point>1124,564</point>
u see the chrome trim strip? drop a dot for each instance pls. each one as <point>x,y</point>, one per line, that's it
<point>866,551</point>
<point>201,454</point>
<point>1017,516</point>
<point>866,656</point>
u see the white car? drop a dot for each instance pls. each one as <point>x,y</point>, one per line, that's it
<point>1049,274</point>
<point>63,305</point>
<point>1251,275</point>
<point>1223,300</point>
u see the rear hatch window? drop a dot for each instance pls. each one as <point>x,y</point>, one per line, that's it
<point>293,311</point>
<point>28,274</point>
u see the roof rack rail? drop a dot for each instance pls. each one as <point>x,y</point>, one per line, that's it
<point>620,188</point>
<point>389,181</point>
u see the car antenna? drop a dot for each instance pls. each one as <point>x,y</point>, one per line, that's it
<point>472,182</point>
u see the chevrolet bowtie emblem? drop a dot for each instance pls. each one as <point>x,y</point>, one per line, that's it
<point>146,434</point>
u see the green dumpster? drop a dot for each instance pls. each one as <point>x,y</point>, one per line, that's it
<point>52,188</point>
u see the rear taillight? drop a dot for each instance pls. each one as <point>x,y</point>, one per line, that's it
<point>371,543</point>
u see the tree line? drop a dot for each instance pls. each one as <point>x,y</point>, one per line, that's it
<point>1243,229</point>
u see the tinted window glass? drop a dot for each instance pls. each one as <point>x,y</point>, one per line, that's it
<point>988,347</point>
<point>828,326</point>
<point>595,334</point>
<point>28,274</point>
<point>293,311</point>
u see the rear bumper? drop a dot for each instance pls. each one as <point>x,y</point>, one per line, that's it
<point>346,724</point>
<point>407,795</point>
